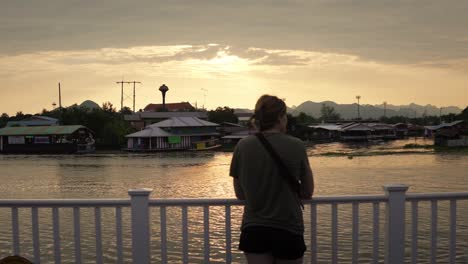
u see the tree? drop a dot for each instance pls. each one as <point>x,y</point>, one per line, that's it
<point>126,111</point>
<point>328,113</point>
<point>464,114</point>
<point>222,114</point>
<point>108,125</point>
<point>305,119</point>
<point>4,119</point>
<point>108,107</point>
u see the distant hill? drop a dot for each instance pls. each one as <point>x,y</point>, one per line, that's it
<point>90,105</point>
<point>349,111</point>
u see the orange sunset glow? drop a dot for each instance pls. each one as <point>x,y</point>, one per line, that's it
<point>384,53</point>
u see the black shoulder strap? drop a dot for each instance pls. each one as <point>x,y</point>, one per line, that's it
<point>284,171</point>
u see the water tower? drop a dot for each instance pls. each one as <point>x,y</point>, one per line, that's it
<point>163,90</point>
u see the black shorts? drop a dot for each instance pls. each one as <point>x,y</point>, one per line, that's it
<point>280,243</point>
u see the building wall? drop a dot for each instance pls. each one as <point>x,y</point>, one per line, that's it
<point>463,142</point>
<point>158,143</point>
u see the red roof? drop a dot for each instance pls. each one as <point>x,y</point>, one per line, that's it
<point>173,107</point>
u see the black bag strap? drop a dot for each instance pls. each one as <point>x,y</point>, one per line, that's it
<point>293,183</point>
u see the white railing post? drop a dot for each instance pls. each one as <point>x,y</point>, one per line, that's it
<point>140,225</point>
<point>395,223</point>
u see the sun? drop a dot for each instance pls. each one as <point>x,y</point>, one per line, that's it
<point>228,63</point>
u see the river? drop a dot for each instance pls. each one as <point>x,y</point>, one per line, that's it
<point>339,169</point>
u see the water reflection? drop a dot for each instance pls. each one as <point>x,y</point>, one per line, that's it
<point>201,175</point>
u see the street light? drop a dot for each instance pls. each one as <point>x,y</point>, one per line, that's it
<point>385,109</point>
<point>358,107</point>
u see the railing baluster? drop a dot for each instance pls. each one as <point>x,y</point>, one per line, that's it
<point>56,228</point>
<point>163,235</point>
<point>206,231</point>
<point>15,227</point>
<point>313,233</point>
<point>98,235</point>
<point>453,230</point>
<point>334,233</point>
<point>141,231</point>
<point>414,232</point>
<point>355,232</point>
<point>185,234</point>
<point>35,234</point>
<point>77,234</point>
<point>395,215</point>
<point>376,232</point>
<point>433,231</point>
<point>118,227</point>
<point>228,234</point>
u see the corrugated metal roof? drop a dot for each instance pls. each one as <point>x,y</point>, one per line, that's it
<point>150,132</point>
<point>331,127</point>
<point>31,123</point>
<point>170,107</point>
<point>39,130</point>
<point>380,126</point>
<point>184,122</point>
<point>357,127</point>
<point>157,115</point>
<point>46,118</point>
<point>158,132</point>
<point>444,125</point>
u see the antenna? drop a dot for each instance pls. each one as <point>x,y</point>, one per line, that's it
<point>205,91</point>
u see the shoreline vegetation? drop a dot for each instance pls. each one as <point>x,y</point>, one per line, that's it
<point>110,128</point>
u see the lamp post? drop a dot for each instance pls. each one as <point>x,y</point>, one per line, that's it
<point>163,90</point>
<point>440,115</point>
<point>358,107</point>
<point>385,109</point>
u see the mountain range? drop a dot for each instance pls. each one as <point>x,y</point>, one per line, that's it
<point>350,111</point>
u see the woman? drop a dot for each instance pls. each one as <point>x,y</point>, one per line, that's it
<point>272,226</point>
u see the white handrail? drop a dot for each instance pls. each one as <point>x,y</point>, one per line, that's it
<point>395,200</point>
<point>64,203</point>
<point>437,196</point>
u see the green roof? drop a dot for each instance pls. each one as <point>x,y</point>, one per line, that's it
<point>39,130</point>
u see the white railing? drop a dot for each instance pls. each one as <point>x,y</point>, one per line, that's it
<point>394,199</point>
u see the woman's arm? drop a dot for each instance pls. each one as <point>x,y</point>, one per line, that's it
<point>234,172</point>
<point>307,180</point>
<point>238,189</point>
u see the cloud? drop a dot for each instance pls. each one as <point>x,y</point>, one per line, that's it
<point>399,31</point>
<point>166,54</point>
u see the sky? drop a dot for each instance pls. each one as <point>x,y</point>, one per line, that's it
<point>217,53</point>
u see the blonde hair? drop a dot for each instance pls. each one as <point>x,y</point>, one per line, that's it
<point>268,110</point>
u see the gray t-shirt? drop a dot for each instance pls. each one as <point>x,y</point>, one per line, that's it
<point>269,199</point>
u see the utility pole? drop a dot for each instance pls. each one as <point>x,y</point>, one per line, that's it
<point>122,93</point>
<point>134,82</point>
<point>440,114</point>
<point>358,107</point>
<point>385,109</point>
<point>60,97</point>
